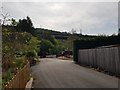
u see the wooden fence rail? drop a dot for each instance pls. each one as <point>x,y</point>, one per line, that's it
<point>20,79</point>
<point>107,59</point>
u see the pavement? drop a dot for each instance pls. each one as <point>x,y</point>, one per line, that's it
<point>57,73</point>
<point>29,84</point>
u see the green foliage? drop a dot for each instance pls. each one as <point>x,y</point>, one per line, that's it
<point>6,77</point>
<point>20,62</point>
<point>32,53</point>
<point>13,22</point>
<point>25,25</point>
<point>51,46</point>
<point>45,46</point>
<point>69,42</point>
<point>33,44</point>
<point>16,46</point>
<point>56,49</point>
<point>53,40</point>
<point>14,42</point>
<point>46,33</point>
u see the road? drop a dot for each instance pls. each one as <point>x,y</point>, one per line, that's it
<point>56,73</point>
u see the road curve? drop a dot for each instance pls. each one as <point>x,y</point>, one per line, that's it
<point>56,73</point>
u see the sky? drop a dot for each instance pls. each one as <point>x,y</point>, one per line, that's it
<point>92,18</point>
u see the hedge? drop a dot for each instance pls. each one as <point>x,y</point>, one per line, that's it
<point>88,43</point>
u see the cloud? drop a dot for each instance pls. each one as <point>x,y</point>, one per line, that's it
<point>91,17</point>
<point>60,0</point>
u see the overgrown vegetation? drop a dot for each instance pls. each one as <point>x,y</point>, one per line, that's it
<point>17,48</point>
<point>20,43</point>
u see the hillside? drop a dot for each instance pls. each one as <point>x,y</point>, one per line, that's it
<point>58,35</point>
<point>41,32</point>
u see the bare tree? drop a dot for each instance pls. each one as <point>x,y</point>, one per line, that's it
<point>5,18</point>
<point>80,31</point>
<point>73,31</point>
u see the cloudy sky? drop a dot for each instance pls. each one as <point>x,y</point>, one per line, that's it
<point>91,17</point>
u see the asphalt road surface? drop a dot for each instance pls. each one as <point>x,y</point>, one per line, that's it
<point>56,73</point>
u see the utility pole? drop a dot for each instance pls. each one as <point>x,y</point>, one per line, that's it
<point>1,17</point>
<point>80,31</point>
<point>40,26</point>
<point>119,18</point>
<point>119,31</point>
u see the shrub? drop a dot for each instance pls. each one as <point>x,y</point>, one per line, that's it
<point>31,53</point>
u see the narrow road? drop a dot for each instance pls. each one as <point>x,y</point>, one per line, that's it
<point>56,73</point>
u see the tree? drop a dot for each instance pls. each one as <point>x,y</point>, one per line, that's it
<point>25,25</point>
<point>73,31</point>
<point>17,44</point>
<point>29,21</point>
<point>69,42</point>
<point>45,46</point>
<point>13,22</point>
<point>53,40</point>
<point>5,18</point>
<point>19,24</point>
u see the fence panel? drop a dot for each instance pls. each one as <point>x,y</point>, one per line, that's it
<point>105,58</point>
<point>20,79</point>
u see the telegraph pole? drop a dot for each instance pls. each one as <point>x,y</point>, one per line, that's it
<point>80,31</point>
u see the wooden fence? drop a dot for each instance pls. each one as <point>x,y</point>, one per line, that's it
<point>103,58</point>
<point>20,79</point>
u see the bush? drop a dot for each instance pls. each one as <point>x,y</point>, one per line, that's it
<point>20,62</point>
<point>15,47</point>
<point>31,54</point>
